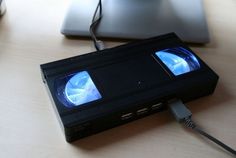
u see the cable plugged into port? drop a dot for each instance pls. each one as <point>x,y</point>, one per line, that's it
<point>183,115</point>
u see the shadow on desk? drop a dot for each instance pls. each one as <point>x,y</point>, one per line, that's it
<point>145,125</point>
<point>220,97</point>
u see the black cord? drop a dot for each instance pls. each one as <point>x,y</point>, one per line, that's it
<point>95,21</point>
<point>190,124</point>
<point>183,115</point>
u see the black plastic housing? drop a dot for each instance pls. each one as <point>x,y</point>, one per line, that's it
<point>132,81</point>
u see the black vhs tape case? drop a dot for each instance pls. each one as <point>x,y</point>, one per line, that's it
<point>100,90</point>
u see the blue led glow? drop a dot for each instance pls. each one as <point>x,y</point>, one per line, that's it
<point>178,60</point>
<point>80,89</point>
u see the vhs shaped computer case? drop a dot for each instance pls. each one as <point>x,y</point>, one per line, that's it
<point>104,89</point>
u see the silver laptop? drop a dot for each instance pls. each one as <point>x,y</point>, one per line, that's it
<point>139,19</point>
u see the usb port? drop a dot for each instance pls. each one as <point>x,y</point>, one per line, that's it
<point>142,111</point>
<point>127,116</point>
<point>156,106</point>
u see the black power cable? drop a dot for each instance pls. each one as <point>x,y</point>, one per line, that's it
<point>183,115</point>
<point>190,124</point>
<point>97,16</point>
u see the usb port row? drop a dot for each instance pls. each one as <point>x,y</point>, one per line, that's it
<point>141,111</point>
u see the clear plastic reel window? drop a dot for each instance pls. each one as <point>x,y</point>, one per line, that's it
<point>178,60</point>
<point>77,89</point>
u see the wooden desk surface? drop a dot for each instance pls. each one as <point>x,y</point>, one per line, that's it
<point>29,36</point>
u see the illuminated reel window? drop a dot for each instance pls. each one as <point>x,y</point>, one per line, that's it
<point>178,60</point>
<point>80,89</point>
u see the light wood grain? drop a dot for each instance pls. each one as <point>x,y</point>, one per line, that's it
<point>29,36</point>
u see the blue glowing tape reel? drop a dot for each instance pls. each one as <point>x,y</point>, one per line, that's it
<point>80,89</point>
<point>76,89</point>
<point>178,60</point>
